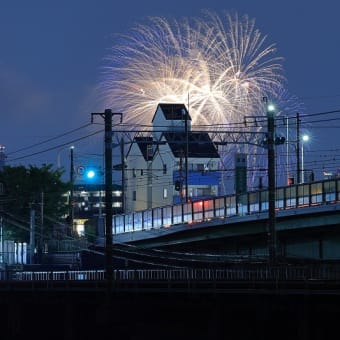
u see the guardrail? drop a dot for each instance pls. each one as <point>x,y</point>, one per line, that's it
<point>238,273</point>
<point>288,197</point>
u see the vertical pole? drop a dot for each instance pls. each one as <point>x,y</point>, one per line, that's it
<point>271,187</point>
<point>186,156</point>
<point>2,240</point>
<point>298,167</point>
<point>122,157</point>
<point>32,234</point>
<point>181,177</point>
<point>42,224</point>
<point>108,195</point>
<point>302,165</point>
<point>149,199</point>
<point>287,150</point>
<point>71,210</point>
<point>100,221</point>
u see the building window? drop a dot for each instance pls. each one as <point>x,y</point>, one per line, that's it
<point>134,195</point>
<point>203,191</point>
<point>141,172</point>
<point>164,169</point>
<point>165,193</point>
<point>134,172</point>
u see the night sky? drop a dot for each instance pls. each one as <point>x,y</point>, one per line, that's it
<point>51,53</point>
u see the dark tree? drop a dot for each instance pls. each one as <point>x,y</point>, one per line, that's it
<point>27,188</point>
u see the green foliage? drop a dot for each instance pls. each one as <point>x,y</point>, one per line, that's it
<point>39,188</point>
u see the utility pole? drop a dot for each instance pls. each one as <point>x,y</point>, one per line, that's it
<point>298,168</point>
<point>287,150</point>
<point>186,156</point>
<point>180,177</point>
<point>71,212</point>
<point>42,224</point>
<point>32,234</point>
<point>149,157</point>
<point>2,243</point>
<point>271,182</point>
<point>107,115</point>
<point>122,159</point>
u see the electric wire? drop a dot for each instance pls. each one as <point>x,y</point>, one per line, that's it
<point>49,140</point>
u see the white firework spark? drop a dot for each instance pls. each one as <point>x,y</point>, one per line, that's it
<point>218,66</point>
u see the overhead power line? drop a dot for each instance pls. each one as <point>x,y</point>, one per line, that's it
<point>48,140</point>
<point>131,128</point>
<point>57,146</point>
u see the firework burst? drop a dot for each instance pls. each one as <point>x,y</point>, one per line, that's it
<point>219,66</point>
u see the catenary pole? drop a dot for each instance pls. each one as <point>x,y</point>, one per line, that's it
<point>107,115</point>
<point>271,183</point>
<point>71,191</point>
<point>298,167</point>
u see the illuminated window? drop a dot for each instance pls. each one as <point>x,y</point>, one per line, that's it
<point>165,193</point>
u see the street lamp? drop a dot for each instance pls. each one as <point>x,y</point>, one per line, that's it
<point>305,138</point>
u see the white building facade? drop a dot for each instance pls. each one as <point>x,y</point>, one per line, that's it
<point>156,173</point>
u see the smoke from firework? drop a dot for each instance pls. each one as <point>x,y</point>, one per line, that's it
<point>219,66</point>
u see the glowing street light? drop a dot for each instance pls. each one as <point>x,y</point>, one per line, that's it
<point>270,108</point>
<point>91,174</point>
<point>305,138</point>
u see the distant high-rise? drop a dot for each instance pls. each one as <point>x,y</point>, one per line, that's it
<point>2,157</point>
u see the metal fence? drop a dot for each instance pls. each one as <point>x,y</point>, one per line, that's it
<point>288,197</point>
<point>251,273</point>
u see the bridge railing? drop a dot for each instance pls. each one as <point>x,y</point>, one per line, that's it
<point>288,197</point>
<point>234,273</point>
